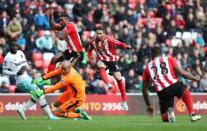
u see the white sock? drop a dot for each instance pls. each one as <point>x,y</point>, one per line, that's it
<point>29,104</point>
<point>43,103</point>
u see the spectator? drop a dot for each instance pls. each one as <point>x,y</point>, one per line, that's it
<point>131,81</point>
<point>98,14</point>
<point>14,29</point>
<point>4,20</point>
<point>45,42</point>
<point>203,82</point>
<point>78,9</point>
<point>4,79</point>
<point>41,20</point>
<point>190,22</point>
<point>113,7</point>
<point>194,87</point>
<point>126,36</point>
<point>120,14</point>
<point>100,87</point>
<point>4,87</point>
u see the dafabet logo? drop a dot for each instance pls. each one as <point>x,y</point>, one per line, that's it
<point>1,107</point>
<point>180,105</point>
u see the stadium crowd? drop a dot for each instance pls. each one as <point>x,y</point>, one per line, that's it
<point>178,26</point>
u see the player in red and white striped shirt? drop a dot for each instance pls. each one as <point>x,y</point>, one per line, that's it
<point>161,71</point>
<point>65,30</point>
<point>104,47</point>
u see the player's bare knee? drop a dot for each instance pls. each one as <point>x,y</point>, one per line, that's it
<point>117,76</point>
<point>100,64</point>
<point>54,60</point>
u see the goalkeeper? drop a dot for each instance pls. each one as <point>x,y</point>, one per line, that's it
<point>70,103</point>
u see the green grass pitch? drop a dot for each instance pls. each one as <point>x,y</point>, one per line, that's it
<point>102,123</point>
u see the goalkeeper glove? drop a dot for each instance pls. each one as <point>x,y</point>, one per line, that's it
<point>37,80</point>
<point>36,94</point>
<point>44,82</point>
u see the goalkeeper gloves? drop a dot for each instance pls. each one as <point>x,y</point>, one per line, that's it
<point>36,94</point>
<point>41,82</point>
<point>37,80</point>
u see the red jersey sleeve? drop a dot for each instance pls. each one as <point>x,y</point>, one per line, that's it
<point>69,27</point>
<point>62,83</point>
<point>146,76</point>
<point>116,42</point>
<point>173,61</point>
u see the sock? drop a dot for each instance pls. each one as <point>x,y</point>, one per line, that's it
<point>103,74</point>
<point>187,98</point>
<point>71,114</point>
<point>45,106</point>
<point>29,104</point>
<point>122,89</point>
<point>51,67</point>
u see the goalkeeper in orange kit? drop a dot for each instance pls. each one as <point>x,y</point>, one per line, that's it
<point>70,103</point>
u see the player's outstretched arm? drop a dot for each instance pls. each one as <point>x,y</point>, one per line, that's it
<point>38,93</point>
<point>120,44</point>
<point>186,74</point>
<point>146,97</point>
<point>57,86</point>
<point>53,25</point>
<point>40,81</point>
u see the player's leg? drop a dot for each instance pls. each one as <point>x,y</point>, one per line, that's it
<point>184,93</point>
<point>65,105</point>
<point>166,109</point>
<point>42,101</point>
<point>114,68</point>
<point>122,88</point>
<point>121,85</point>
<point>56,58</point>
<point>23,87</point>
<point>66,109</point>
<point>72,109</point>
<point>166,101</point>
<point>74,57</point>
<point>61,99</point>
<point>66,114</point>
<point>55,105</point>
<point>102,72</point>
<point>187,98</point>
<point>83,114</point>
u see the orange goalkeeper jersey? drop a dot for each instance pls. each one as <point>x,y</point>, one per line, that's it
<point>73,79</point>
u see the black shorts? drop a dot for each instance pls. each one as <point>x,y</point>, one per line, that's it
<point>112,66</point>
<point>72,55</point>
<point>166,96</point>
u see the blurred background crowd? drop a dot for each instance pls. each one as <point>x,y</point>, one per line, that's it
<point>178,26</point>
